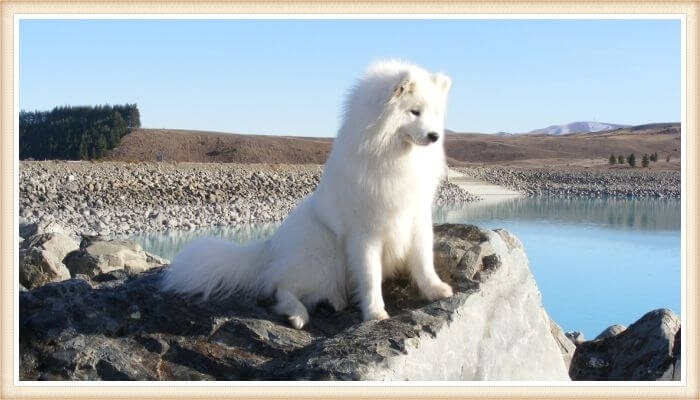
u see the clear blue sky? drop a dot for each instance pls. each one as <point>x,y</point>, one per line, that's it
<point>289,77</point>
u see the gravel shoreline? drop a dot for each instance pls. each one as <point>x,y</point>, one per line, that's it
<point>117,198</point>
<point>583,182</point>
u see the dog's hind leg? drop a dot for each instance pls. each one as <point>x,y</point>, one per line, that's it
<point>290,305</point>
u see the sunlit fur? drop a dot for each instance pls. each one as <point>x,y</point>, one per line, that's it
<point>369,217</point>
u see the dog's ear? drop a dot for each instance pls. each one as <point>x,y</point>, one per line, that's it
<point>443,82</point>
<point>406,86</point>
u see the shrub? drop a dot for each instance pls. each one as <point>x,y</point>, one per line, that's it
<point>612,159</point>
<point>645,160</point>
<point>631,160</point>
<point>620,159</point>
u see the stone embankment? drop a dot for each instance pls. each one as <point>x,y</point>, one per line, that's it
<point>582,182</point>
<point>109,198</point>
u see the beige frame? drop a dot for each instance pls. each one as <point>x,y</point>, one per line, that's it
<point>105,390</point>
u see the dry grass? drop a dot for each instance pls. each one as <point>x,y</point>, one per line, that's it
<point>583,148</point>
<point>198,146</point>
<point>576,150</point>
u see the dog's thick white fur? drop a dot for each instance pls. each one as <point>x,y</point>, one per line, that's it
<point>369,217</point>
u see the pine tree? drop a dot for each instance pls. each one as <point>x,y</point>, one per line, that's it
<point>645,160</point>
<point>620,159</point>
<point>68,132</point>
<point>631,160</point>
<point>611,160</point>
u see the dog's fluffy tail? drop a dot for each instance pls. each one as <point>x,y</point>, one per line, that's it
<point>215,268</point>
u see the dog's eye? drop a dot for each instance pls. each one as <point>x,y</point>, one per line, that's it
<point>416,113</point>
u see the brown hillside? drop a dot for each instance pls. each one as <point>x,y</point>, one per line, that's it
<point>664,139</point>
<point>198,146</point>
<point>461,148</point>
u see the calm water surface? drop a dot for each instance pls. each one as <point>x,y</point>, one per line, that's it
<point>596,262</point>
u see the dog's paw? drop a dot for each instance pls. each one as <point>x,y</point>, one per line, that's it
<point>437,291</point>
<point>298,321</point>
<point>376,315</point>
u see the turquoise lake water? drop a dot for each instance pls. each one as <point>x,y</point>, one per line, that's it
<point>597,262</point>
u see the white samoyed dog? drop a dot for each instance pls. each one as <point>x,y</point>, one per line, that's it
<point>369,217</point>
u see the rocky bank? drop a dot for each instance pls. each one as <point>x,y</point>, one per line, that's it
<point>110,198</point>
<point>583,182</point>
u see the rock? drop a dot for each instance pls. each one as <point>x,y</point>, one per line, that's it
<point>575,337</point>
<point>610,331</point>
<point>98,256</point>
<point>124,328</point>
<point>26,229</point>
<point>41,259</point>
<point>646,350</point>
<point>50,227</point>
<point>676,376</point>
<point>566,346</point>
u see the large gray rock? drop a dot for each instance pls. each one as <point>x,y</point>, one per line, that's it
<point>566,346</point>
<point>575,337</point>
<point>610,331</point>
<point>649,349</point>
<point>41,259</point>
<point>101,256</point>
<point>118,326</point>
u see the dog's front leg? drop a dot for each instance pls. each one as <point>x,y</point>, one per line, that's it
<point>365,262</point>
<point>420,263</point>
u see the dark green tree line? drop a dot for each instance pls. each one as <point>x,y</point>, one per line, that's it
<point>75,133</point>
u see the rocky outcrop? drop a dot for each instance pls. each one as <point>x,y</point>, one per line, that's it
<point>649,349</point>
<point>97,257</point>
<point>41,259</point>
<point>610,331</point>
<point>119,327</point>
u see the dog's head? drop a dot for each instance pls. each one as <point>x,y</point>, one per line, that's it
<point>418,104</point>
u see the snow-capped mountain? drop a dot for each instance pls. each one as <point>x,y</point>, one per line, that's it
<point>580,127</point>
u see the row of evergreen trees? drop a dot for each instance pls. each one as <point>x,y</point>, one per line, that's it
<point>75,133</point>
<point>632,160</point>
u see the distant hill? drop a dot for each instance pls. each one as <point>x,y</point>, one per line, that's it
<point>542,149</point>
<point>461,148</point>
<point>577,127</point>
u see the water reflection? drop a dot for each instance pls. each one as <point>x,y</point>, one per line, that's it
<point>627,214</point>
<point>167,244</point>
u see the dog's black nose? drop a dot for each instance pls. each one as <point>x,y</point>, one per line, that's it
<point>433,136</point>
